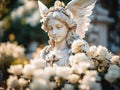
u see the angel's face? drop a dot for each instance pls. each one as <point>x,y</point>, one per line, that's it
<point>57,30</point>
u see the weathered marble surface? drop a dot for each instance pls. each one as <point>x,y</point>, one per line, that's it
<point>64,24</point>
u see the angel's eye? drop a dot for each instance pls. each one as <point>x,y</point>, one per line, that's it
<point>50,28</point>
<point>58,26</point>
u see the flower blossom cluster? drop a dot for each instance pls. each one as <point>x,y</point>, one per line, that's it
<point>26,8</point>
<point>79,46</point>
<point>36,76</point>
<point>9,54</point>
<point>10,49</point>
<point>89,67</point>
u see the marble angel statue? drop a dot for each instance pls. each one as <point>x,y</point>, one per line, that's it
<point>64,24</point>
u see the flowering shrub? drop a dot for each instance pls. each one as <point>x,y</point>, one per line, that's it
<point>24,10</point>
<point>90,68</point>
<point>10,54</point>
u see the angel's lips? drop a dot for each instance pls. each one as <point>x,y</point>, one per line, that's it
<point>55,37</point>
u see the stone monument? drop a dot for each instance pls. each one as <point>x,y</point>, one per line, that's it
<point>64,24</point>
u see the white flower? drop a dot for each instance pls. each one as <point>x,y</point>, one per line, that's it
<point>30,5</point>
<point>23,82</point>
<point>108,56</point>
<point>83,67</point>
<point>79,46</point>
<point>115,59</point>
<point>110,76</point>
<point>50,70</point>
<point>7,49</point>
<point>13,15</point>
<point>114,68</point>
<point>68,87</point>
<point>39,84</point>
<point>77,58</point>
<point>101,53</point>
<point>73,78</point>
<point>10,49</point>
<point>89,81</point>
<point>51,85</point>
<point>91,51</point>
<point>2,23</point>
<point>95,86</point>
<point>92,76</point>
<point>12,82</point>
<point>15,69</point>
<point>28,70</point>
<point>34,19</point>
<point>18,51</point>
<point>63,72</point>
<point>40,73</point>
<point>38,63</point>
<point>20,11</point>
<point>113,73</point>
<point>90,86</point>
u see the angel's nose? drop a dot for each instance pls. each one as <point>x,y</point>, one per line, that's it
<point>53,31</point>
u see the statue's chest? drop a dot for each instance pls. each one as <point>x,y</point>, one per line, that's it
<point>58,57</point>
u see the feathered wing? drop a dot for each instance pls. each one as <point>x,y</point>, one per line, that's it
<point>43,9</point>
<point>80,10</point>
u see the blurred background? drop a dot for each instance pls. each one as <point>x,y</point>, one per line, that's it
<point>20,24</point>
